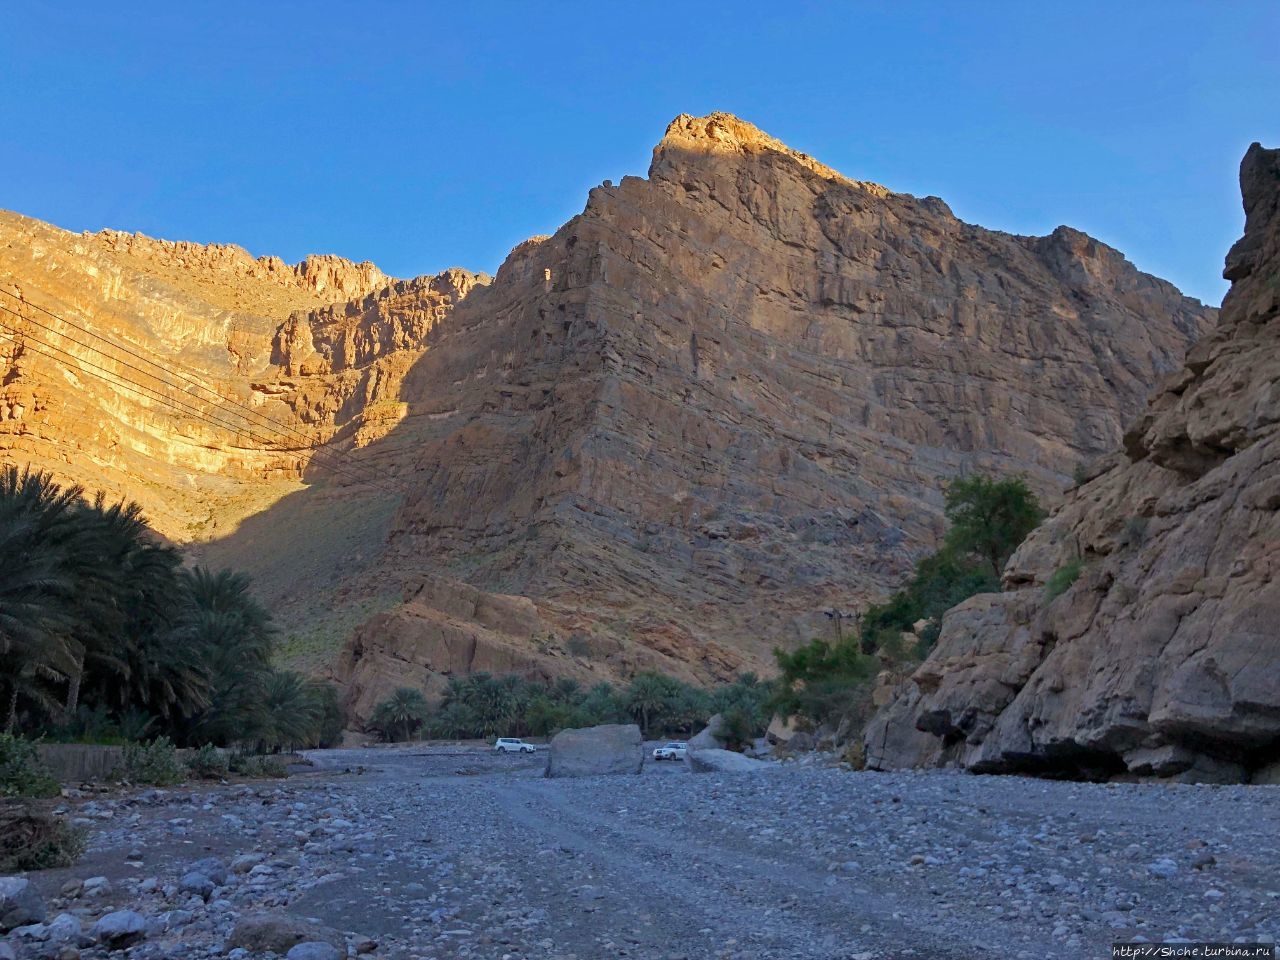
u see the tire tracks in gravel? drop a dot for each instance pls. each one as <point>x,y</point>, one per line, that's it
<point>718,890</point>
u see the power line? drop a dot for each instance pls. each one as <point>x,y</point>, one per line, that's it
<point>116,379</point>
<point>271,424</point>
<point>172,368</point>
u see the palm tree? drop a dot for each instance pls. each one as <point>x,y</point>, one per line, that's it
<point>566,690</point>
<point>293,711</point>
<point>35,517</point>
<point>233,633</point>
<point>400,714</point>
<point>646,695</point>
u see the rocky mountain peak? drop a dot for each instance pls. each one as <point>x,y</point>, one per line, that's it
<point>724,134</point>
<point>714,405</point>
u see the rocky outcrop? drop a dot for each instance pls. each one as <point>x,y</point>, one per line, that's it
<point>446,628</point>
<point>397,317</point>
<point>614,748</point>
<point>328,277</point>
<point>143,368</point>
<point>1161,657</point>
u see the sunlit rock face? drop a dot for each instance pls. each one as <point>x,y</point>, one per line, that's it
<point>720,401</point>
<point>1163,658</point>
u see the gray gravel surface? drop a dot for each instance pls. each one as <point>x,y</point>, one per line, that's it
<point>441,853</point>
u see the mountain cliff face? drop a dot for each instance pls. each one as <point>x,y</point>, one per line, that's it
<point>1163,657</point>
<point>149,368</point>
<point>719,402</point>
<point>724,399</point>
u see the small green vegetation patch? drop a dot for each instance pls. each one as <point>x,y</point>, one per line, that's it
<point>1063,578</point>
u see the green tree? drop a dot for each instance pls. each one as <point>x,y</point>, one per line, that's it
<point>293,712</point>
<point>646,697</point>
<point>401,714</point>
<point>990,517</point>
<point>823,681</point>
<point>234,634</point>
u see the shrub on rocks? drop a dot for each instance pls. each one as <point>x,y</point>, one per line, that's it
<point>21,773</point>
<point>250,765</point>
<point>33,838</point>
<point>155,763</point>
<point>208,763</point>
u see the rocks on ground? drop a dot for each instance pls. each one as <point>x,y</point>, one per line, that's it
<point>20,903</point>
<point>280,933</point>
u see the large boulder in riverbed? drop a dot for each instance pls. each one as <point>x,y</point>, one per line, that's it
<point>721,761</point>
<point>709,738</point>
<point>596,751</point>
<point>20,903</point>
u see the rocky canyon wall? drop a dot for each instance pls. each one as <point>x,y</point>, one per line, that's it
<point>1162,658</point>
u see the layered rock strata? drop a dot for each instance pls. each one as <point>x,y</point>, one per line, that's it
<point>726,398</point>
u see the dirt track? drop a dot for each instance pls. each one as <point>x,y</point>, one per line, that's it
<point>438,853</point>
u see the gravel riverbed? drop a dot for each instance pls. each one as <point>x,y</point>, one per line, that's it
<point>420,852</point>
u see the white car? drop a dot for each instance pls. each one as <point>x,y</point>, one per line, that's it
<point>674,750</point>
<point>512,745</point>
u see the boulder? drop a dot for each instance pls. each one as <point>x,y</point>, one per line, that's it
<point>722,761</point>
<point>801,742</point>
<point>64,928</point>
<point>120,929</point>
<point>280,933</point>
<point>596,751</point>
<point>315,950</point>
<point>781,729</point>
<point>213,868</point>
<point>20,903</point>
<point>196,884</point>
<point>709,737</point>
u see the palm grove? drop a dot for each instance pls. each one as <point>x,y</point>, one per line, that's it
<point>104,633</point>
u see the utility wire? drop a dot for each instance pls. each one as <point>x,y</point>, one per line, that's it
<point>171,369</point>
<point>116,379</point>
<point>269,423</point>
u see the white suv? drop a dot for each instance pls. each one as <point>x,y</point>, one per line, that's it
<point>674,750</point>
<point>512,745</point>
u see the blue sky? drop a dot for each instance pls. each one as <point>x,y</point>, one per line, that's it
<point>423,135</point>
